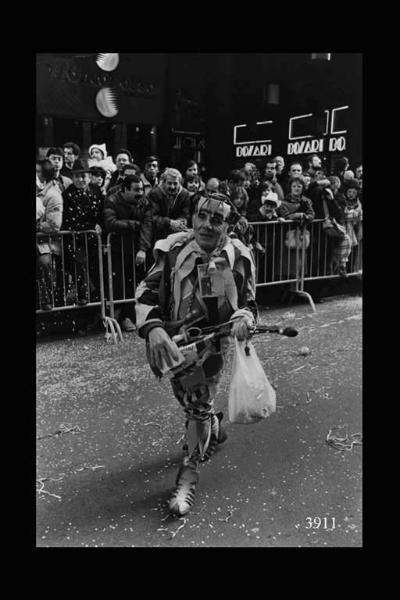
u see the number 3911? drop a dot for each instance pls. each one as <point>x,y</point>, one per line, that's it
<point>317,522</point>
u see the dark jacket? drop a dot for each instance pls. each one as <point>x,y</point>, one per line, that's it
<point>164,209</point>
<point>128,218</point>
<point>115,179</point>
<point>290,206</point>
<point>82,208</point>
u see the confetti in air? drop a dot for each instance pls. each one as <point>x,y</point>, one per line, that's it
<point>106,102</point>
<point>107,62</point>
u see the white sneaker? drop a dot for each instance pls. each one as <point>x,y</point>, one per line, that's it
<point>127,325</point>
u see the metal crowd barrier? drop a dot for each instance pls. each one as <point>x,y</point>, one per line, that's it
<point>275,262</point>
<point>74,273</point>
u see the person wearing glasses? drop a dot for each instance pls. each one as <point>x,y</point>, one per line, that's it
<point>200,277</point>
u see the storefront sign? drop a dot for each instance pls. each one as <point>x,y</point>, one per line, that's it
<point>254,150</point>
<point>331,142</point>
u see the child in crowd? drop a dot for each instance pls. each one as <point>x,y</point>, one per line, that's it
<point>99,158</point>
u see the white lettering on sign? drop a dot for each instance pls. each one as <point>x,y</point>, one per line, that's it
<point>254,150</point>
<point>305,147</point>
<point>337,144</point>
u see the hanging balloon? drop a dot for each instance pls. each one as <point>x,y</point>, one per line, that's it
<point>106,102</point>
<point>107,62</point>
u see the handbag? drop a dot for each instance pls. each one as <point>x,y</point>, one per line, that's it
<point>294,239</point>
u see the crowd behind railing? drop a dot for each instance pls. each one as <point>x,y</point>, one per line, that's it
<point>86,207</point>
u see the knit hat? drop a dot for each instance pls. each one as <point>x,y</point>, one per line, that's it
<point>101,147</point>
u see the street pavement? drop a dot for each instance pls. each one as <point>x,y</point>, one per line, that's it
<point>109,439</point>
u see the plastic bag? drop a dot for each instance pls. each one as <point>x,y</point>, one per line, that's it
<point>251,396</point>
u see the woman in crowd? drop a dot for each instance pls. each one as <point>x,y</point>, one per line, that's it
<point>49,210</point>
<point>295,207</point>
<point>334,226</point>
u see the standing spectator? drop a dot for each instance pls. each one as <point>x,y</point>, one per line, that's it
<point>71,154</point>
<point>340,243</point>
<point>314,162</point>
<point>238,224</point>
<point>192,185</point>
<point>359,172</point>
<point>83,207</point>
<point>247,179</point>
<point>128,211</point>
<point>192,168</point>
<point>97,177</point>
<point>235,180</point>
<point>341,166</point>
<point>281,175</point>
<point>49,207</point>
<point>126,170</point>
<point>212,186</point>
<point>150,173</point>
<point>295,170</point>
<point>99,158</point>
<point>353,215</point>
<point>296,207</point>
<point>270,175</point>
<point>56,157</point>
<point>123,157</point>
<point>170,204</point>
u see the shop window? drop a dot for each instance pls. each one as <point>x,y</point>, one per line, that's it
<point>67,130</point>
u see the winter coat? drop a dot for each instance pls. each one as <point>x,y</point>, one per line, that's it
<point>129,218</point>
<point>51,219</point>
<point>164,210</point>
<point>82,208</point>
<point>147,185</point>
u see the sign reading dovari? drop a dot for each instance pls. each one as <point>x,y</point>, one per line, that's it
<point>251,141</point>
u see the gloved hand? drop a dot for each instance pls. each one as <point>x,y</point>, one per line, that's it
<point>241,328</point>
<point>162,350</point>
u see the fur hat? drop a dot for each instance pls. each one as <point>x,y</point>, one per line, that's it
<point>101,147</point>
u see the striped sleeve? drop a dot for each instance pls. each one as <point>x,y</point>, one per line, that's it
<point>149,313</point>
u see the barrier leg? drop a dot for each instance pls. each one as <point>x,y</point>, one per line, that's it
<point>113,326</point>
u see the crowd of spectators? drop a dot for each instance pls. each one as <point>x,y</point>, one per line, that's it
<point>146,204</point>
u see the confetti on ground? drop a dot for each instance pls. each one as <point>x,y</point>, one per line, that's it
<point>64,428</point>
<point>343,443</point>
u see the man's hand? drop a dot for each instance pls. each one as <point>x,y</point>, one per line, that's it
<point>97,228</point>
<point>162,350</point>
<point>140,258</point>
<point>241,328</point>
<point>178,225</point>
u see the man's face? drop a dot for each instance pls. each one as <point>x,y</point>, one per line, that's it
<point>307,181</point>
<point>81,180</point>
<point>151,169</point>
<point>270,169</point>
<point>193,170</point>
<point>135,193</point>
<point>121,160</point>
<point>316,162</point>
<point>280,163</point>
<point>359,172</point>
<point>171,185</point>
<point>295,170</point>
<point>57,162</point>
<point>208,224</point>
<point>69,156</point>
<point>319,174</point>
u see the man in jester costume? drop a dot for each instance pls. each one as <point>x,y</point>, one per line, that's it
<point>200,278</point>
